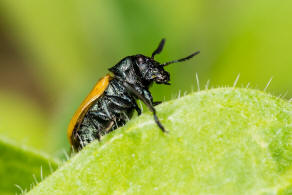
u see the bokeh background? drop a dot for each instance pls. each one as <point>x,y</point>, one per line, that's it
<point>53,52</point>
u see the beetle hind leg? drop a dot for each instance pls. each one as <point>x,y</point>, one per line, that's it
<point>102,122</point>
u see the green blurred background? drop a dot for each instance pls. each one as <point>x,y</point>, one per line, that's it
<point>53,52</point>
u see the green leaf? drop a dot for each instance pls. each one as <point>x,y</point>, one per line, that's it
<point>221,141</point>
<point>21,168</point>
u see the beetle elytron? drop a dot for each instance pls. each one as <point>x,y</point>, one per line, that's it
<point>112,101</point>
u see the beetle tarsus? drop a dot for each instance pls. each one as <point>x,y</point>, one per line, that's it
<point>157,103</point>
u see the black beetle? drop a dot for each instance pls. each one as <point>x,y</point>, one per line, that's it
<point>112,101</point>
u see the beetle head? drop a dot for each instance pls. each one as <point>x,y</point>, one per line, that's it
<point>152,70</point>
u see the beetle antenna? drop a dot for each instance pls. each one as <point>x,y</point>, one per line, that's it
<point>159,48</point>
<point>180,60</point>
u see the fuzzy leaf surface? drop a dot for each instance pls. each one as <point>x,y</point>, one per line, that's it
<point>220,141</point>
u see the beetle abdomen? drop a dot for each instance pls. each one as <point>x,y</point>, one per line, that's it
<point>112,110</point>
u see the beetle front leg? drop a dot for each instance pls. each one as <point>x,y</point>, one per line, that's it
<point>148,96</point>
<point>147,101</point>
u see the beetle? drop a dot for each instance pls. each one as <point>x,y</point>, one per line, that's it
<point>112,101</point>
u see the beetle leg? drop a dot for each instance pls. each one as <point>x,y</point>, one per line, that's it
<point>95,123</point>
<point>124,104</point>
<point>137,109</point>
<point>100,115</point>
<point>112,118</point>
<point>119,102</point>
<point>156,103</point>
<point>148,96</point>
<point>146,101</point>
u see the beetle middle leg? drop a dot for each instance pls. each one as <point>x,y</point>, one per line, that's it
<point>120,104</point>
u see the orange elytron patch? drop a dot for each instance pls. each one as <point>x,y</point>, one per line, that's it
<point>95,93</point>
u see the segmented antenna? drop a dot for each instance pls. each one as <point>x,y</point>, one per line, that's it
<point>159,48</point>
<point>180,60</point>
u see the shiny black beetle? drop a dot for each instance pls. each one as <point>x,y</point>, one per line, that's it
<point>112,101</point>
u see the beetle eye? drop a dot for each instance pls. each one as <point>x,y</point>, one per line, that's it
<point>140,60</point>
